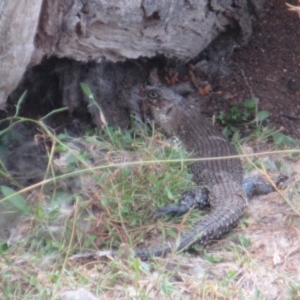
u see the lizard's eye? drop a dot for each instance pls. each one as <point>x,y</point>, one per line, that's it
<point>153,94</point>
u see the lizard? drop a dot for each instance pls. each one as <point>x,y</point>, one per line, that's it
<point>222,183</point>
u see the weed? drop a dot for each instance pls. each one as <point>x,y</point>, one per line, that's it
<point>246,115</point>
<point>294,292</point>
<point>105,186</point>
<point>100,191</point>
<point>212,258</point>
<point>251,119</point>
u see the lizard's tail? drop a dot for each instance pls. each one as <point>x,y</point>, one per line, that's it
<point>218,222</point>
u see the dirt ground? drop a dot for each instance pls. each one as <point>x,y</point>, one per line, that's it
<point>268,68</point>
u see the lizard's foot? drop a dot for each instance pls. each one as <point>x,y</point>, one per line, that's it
<point>173,210</point>
<point>257,185</point>
<point>198,198</point>
<point>189,199</point>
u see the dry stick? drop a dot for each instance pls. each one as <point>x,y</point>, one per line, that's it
<point>247,83</point>
<point>251,93</point>
<point>289,116</point>
<point>132,163</point>
<point>293,8</point>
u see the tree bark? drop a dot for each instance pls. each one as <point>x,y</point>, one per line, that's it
<point>18,27</point>
<point>113,30</point>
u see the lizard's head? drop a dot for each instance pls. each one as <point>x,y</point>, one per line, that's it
<point>162,105</point>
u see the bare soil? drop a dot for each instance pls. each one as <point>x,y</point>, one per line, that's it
<point>268,68</point>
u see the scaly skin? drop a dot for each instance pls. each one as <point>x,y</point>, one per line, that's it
<point>222,178</point>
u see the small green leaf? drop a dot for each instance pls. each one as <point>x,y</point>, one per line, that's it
<point>225,132</point>
<point>245,242</point>
<point>282,139</point>
<point>170,195</point>
<point>55,111</point>
<point>231,274</point>
<point>71,159</point>
<point>86,90</point>
<point>171,232</point>
<point>251,103</point>
<point>236,137</point>
<point>18,106</point>
<point>212,258</point>
<point>3,247</point>
<point>15,199</point>
<point>262,115</point>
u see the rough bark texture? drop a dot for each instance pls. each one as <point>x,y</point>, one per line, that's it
<point>18,26</point>
<point>114,30</point>
<point>127,29</point>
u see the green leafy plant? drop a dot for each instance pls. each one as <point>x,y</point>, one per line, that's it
<point>245,115</point>
<point>249,118</point>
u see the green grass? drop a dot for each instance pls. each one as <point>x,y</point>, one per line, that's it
<point>115,182</point>
<point>100,192</point>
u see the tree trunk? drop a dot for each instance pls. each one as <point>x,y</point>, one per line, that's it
<point>114,30</point>
<point>18,27</point>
